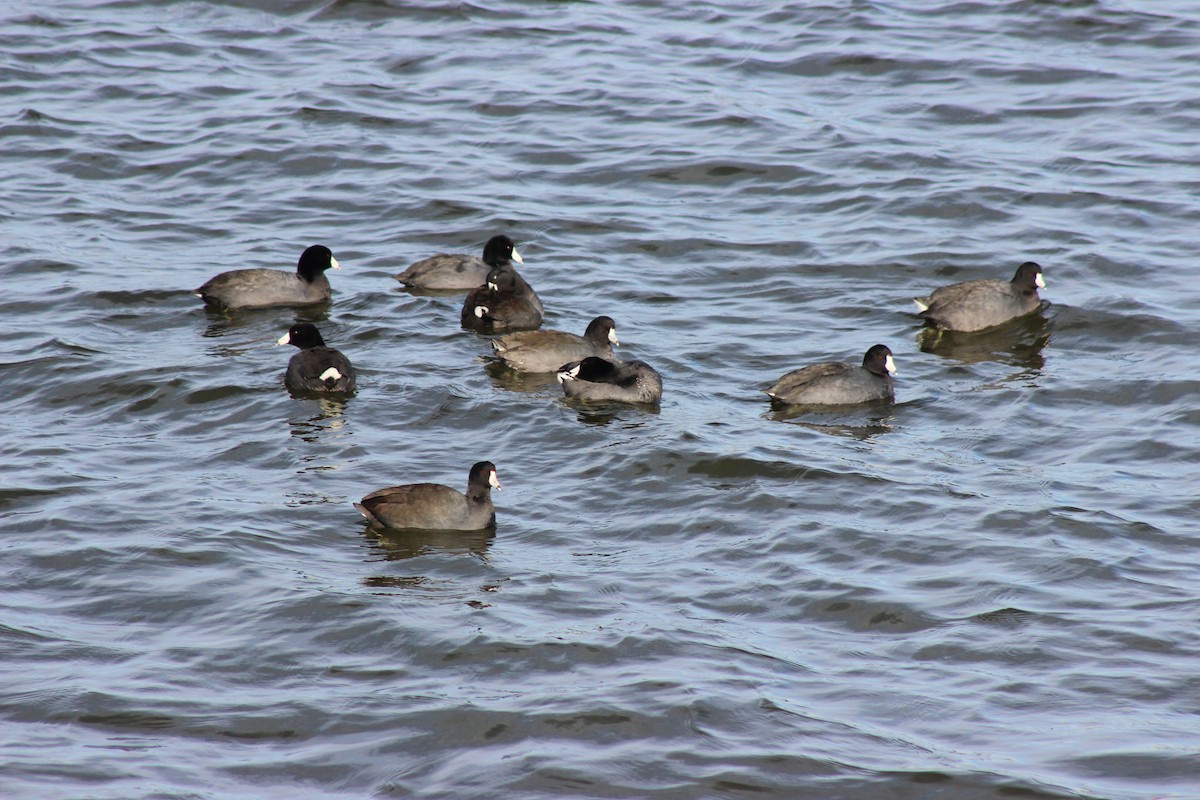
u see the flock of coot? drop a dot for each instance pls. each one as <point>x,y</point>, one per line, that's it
<point>502,304</point>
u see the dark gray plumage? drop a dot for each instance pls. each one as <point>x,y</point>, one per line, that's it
<point>316,368</point>
<point>985,303</point>
<point>436,507</point>
<point>595,378</point>
<point>260,288</point>
<point>505,303</point>
<point>839,383</point>
<point>547,351</point>
<point>451,271</point>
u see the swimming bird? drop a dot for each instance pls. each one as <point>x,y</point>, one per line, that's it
<point>505,303</point>
<point>436,507</point>
<point>460,271</point>
<point>595,378</point>
<point>260,288</point>
<point>546,351</point>
<point>975,305</point>
<point>837,382</point>
<point>317,367</point>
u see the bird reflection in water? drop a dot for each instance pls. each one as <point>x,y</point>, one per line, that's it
<point>223,321</point>
<point>325,426</point>
<point>853,422</point>
<point>503,377</point>
<point>397,545</point>
<point>1018,343</point>
<point>329,430</point>
<point>602,414</point>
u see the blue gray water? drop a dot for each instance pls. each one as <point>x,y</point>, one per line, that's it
<point>988,590</point>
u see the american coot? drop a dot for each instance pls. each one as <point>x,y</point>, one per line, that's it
<point>839,383</point>
<point>456,271</point>
<point>546,351</point>
<point>259,288</point>
<point>505,303</point>
<point>316,368</point>
<point>979,304</point>
<point>436,507</point>
<point>595,378</point>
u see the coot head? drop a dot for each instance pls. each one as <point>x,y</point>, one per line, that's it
<point>483,474</point>
<point>499,250</point>
<point>879,360</point>
<point>316,260</point>
<point>592,368</point>
<point>1029,277</point>
<point>303,335</point>
<point>602,330</point>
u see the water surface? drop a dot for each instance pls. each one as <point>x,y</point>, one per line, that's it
<point>985,590</point>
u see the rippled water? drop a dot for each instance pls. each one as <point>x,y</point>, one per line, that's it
<point>988,590</point>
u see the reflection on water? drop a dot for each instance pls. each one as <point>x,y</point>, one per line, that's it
<point>397,545</point>
<point>307,498</point>
<point>395,581</point>
<point>328,428</point>
<point>591,412</point>
<point>505,378</point>
<point>856,422</point>
<point>324,426</point>
<point>332,403</point>
<point>220,324</point>
<point>1019,343</point>
<point>230,347</point>
<point>332,409</point>
<point>676,577</point>
<point>599,420</point>
<point>862,432</point>
<point>417,291</point>
<point>222,321</point>
<point>1007,617</point>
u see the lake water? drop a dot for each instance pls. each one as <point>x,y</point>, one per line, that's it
<point>987,590</point>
